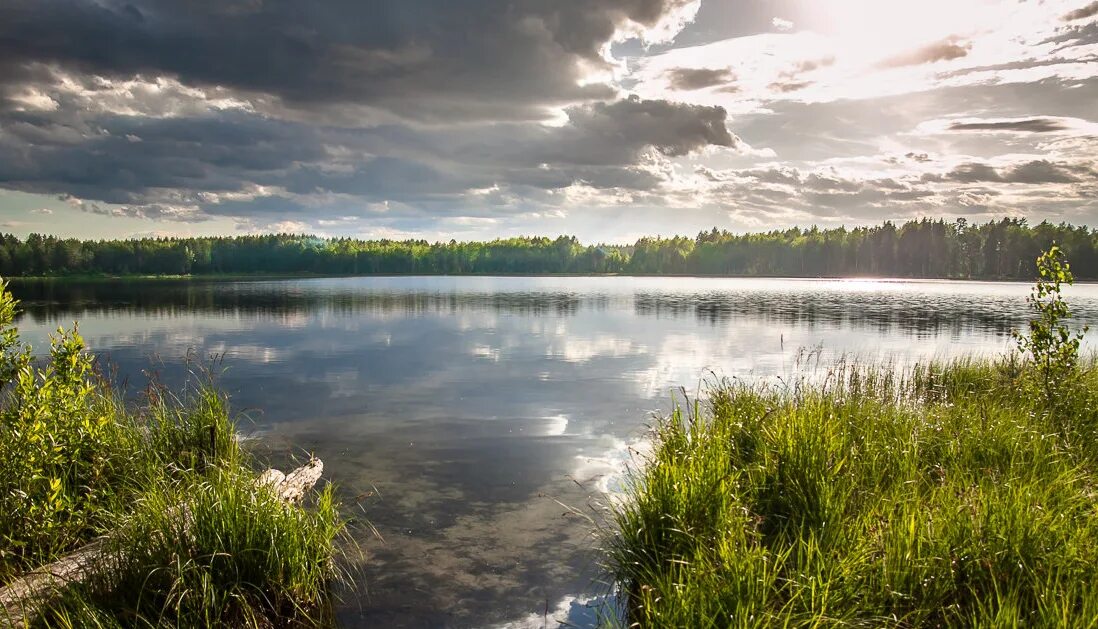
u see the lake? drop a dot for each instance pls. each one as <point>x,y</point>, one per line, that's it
<point>477,423</point>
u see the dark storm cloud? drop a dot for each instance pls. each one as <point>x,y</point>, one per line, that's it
<point>836,192</point>
<point>426,58</point>
<point>1031,125</point>
<point>207,162</point>
<point>1074,35</point>
<point>687,79</point>
<point>1082,12</point>
<point>281,110</point>
<point>1031,172</point>
<point>944,50</point>
<point>867,197</point>
<point>828,188</point>
<point>608,131</point>
<point>824,194</point>
<point>969,173</point>
<point>1044,171</point>
<point>126,156</point>
<point>184,110</point>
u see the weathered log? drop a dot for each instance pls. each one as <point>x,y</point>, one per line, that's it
<point>298,482</point>
<point>22,598</point>
<point>271,478</point>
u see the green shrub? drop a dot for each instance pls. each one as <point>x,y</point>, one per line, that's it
<point>60,449</point>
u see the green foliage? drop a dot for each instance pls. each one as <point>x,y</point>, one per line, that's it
<point>1002,249</point>
<point>13,354</point>
<point>57,449</point>
<point>1051,345</point>
<point>208,550</point>
<point>927,498</point>
<point>191,434</point>
<point>71,457</point>
<point>193,541</point>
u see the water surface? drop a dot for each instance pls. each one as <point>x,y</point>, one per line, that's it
<point>477,422</point>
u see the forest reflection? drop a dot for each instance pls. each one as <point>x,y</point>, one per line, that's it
<point>911,309</point>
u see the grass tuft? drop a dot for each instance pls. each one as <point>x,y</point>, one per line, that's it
<point>943,495</point>
<point>210,550</point>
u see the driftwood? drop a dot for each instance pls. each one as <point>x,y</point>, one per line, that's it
<point>22,598</point>
<point>292,487</point>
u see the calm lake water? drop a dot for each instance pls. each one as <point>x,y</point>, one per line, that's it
<point>476,422</point>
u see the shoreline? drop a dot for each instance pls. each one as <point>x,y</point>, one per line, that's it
<point>259,277</point>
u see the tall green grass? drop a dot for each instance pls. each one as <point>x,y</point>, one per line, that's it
<point>945,495</point>
<point>190,539</point>
<point>210,550</point>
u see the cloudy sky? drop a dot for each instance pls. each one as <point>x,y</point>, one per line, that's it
<point>607,119</point>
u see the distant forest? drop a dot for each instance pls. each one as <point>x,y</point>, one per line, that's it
<point>1004,249</point>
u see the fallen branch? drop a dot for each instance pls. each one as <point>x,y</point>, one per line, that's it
<point>22,597</point>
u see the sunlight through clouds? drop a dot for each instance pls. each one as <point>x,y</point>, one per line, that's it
<point>565,118</point>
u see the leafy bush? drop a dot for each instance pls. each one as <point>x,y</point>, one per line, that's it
<point>61,450</point>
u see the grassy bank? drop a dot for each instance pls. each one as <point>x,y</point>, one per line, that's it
<point>959,494</point>
<point>190,541</point>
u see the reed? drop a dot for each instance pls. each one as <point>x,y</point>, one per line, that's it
<point>210,550</point>
<point>943,495</point>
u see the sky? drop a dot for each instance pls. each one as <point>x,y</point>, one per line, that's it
<point>605,119</point>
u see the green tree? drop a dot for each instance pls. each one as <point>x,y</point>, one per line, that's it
<point>1050,343</point>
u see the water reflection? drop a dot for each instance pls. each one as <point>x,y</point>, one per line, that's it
<point>461,413</point>
<point>926,308</point>
<point>921,313</point>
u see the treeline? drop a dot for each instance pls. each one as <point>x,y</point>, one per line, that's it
<point>1004,249</point>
